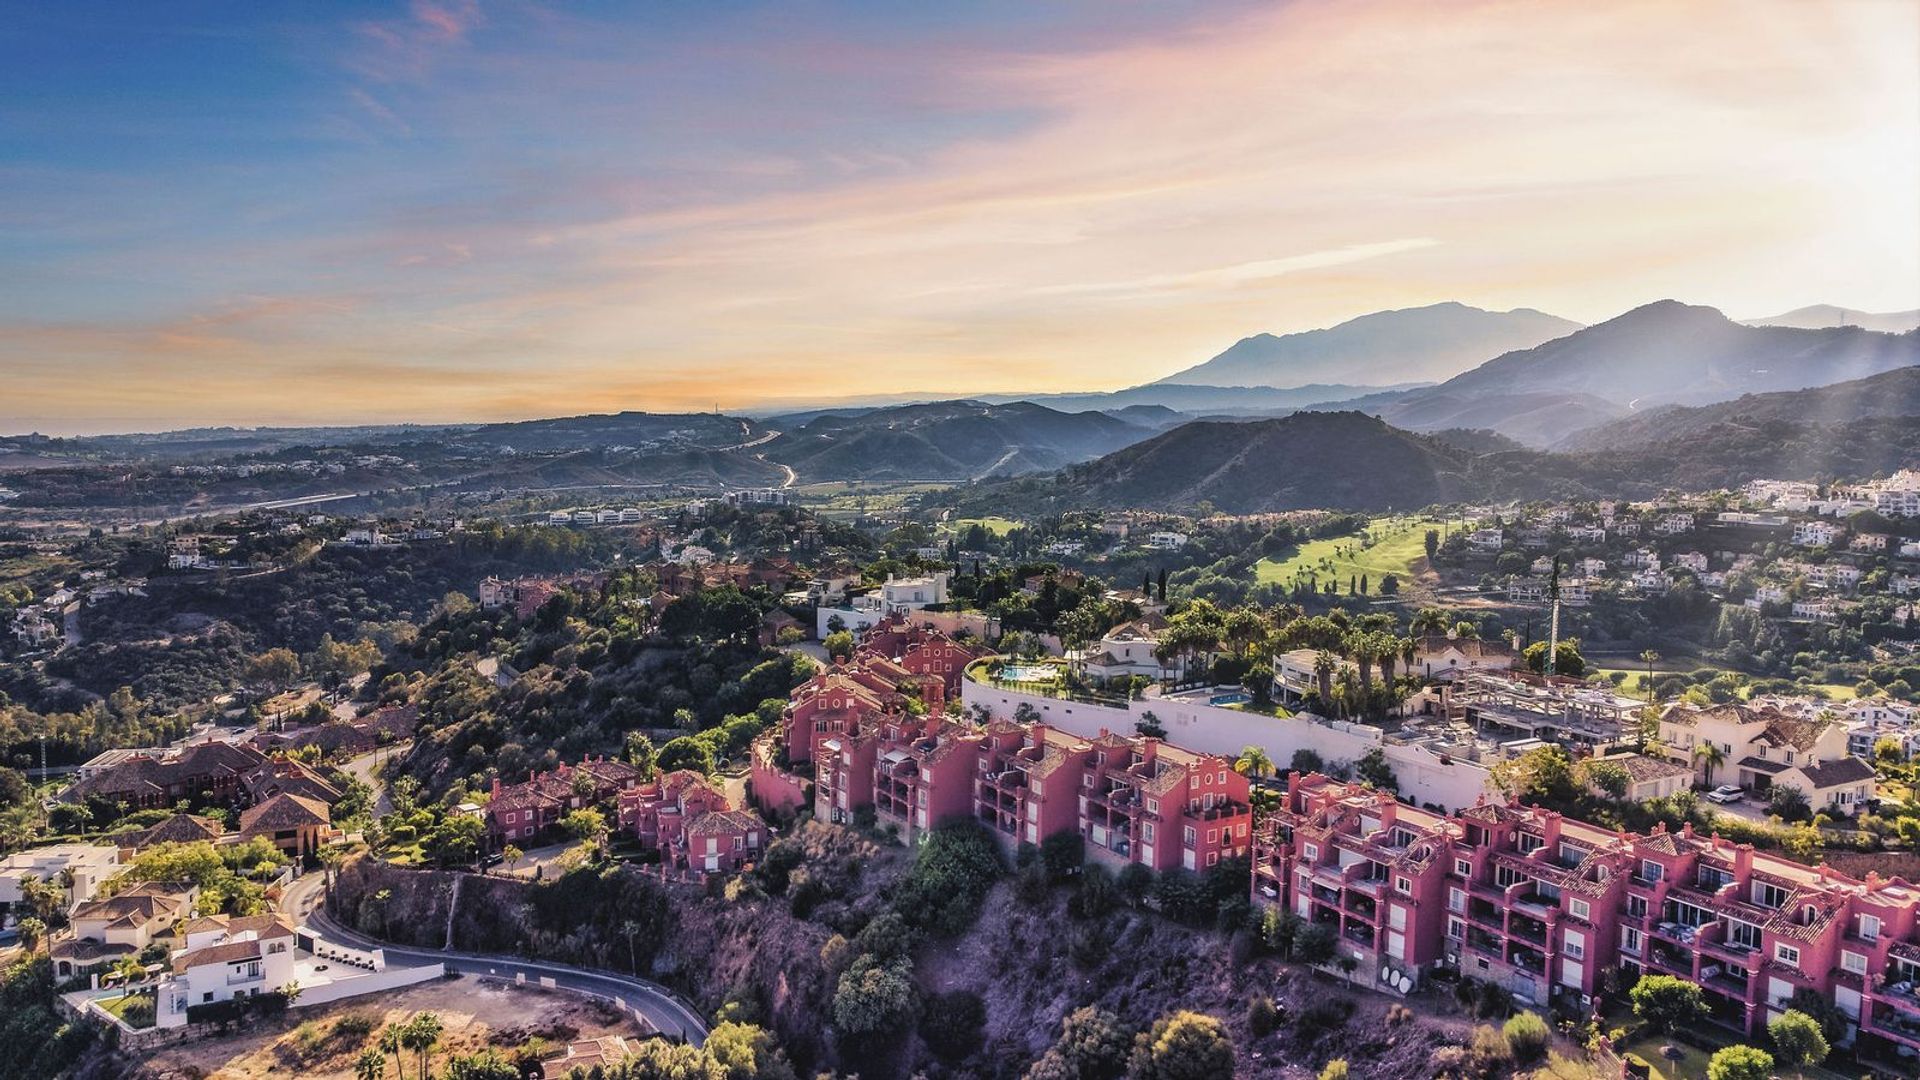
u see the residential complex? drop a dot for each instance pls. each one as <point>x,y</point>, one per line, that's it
<point>1545,905</point>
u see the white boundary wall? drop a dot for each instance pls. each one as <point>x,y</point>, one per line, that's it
<point>1195,725</point>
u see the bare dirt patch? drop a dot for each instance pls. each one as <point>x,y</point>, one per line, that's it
<point>478,1013</point>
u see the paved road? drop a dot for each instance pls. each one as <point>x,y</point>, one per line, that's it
<point>667,1013</point>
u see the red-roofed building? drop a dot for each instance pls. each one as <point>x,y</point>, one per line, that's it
<point>692,824</point>
<point>519,812</point>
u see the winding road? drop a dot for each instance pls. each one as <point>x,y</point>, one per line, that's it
<point>665,1012</point>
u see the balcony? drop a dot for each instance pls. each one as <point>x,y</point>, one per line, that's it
<point>1528,959</point>
<point>1359,935</point>
<point>1536,906</point>
<point>1528,929</point>
<point>1670,960</point>
<point>1726,982</point>
<point>1362,906</point>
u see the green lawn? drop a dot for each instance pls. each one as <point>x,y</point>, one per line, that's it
<point>998,526</point>
<point>1400,541</point>
<point>118,1007</point>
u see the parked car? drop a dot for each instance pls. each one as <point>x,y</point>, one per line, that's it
<point>1727,793</point>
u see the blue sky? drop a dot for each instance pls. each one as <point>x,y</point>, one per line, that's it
<point>282,213</point>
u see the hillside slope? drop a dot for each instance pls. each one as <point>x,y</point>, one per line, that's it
<point>949,440</point>
<point>1892,393</point>
<point>1673,352</point>
<point>1341,460</point>
<point>1407,345</point>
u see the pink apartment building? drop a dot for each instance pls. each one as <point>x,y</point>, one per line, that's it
<point>1543,905</point>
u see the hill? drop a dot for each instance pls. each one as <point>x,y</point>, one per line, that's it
<point>1339,460</point>
<point>1409,345</point>
<point>948,440</point>
<point>1892,393</point>
<point>1351,461</point>
<point>1672,352</point>
<point>1823,315</point>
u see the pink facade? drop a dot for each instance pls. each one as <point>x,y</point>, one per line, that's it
<point>692,824</point>
<point>520,812</point>
<point>1544,905</point>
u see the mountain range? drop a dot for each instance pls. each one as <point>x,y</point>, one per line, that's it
<point>1823,315</point>
<point>1423,344</point>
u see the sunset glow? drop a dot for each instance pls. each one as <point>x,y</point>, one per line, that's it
<point>471,211</point>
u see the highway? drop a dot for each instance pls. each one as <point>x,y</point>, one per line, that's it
<point>667,1013</point>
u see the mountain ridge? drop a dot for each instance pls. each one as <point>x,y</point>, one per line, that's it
<point>1419,344</point>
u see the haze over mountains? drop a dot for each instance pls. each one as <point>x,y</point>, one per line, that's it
<point>1824,315</point>
<point>1424,344</point>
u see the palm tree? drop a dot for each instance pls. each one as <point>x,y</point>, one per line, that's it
<point>511,856</point>
<point>1254,763</point>
<point>371,1065</point>
<point>630,930</point>
<point>1359,648</point>
<point>32,932</point>
<point>1324,666</point>
<point>1711,756</point>
<point>420,1035</point>
<point>1428,621</point>
<point>1648,658</point>
<point>390,1042</point>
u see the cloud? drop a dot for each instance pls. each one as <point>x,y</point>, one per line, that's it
<point>747,205</point>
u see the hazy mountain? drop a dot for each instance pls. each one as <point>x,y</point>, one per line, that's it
<point>948,440</point>
<point>601,430</point>
<point>1195,400</point>
<point>1536,419</point>
<point>1410,345</point>
<point>1893,393</point>
<point>1672,352</point>
<point>1820,316</point>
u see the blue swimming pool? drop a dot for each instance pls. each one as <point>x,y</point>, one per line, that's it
<point>1029,672</point>
<point>1230,699</point>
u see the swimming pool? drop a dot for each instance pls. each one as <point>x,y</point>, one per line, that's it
<point>1029,672</point>
<point>1230,699</point>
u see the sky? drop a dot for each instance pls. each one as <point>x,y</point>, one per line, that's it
<point>283,213</point>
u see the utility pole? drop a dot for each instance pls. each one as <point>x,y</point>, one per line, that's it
<point>1553,625</point>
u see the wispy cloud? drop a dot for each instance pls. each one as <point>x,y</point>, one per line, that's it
<point>722,205</point>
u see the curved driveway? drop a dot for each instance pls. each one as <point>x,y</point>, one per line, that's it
<point>666,1012</point>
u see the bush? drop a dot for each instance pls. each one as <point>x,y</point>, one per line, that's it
<point>1740,1063</point>
<point>952,1023</point>
<point>1324,1015</point>
<point>1262,1016</point>
<point>949,879</point>
<point>1182,1046</point>
<point>1527,1037</point>
<point>1666,1003</point>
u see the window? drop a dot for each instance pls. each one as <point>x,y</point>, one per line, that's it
<point>1574,946</point>
<point>1086,780</point>
<point>1146,832</point>
<point>1854,962</point>
<point>1637,906</point>
<point>1404,885</point>
<point>1651,871</point>
<point>1153,806</point>
<point>1456,928</point>
<point>1787,955</point>
<point>1213,836</point>
<point>1528,842</point>
<point>1310,851</point>
<point>1456,900</point>
<point>1190,836</point>
<point>1767,894</point>
<point>1630,941</point>
<point>1463,867</point>
<point>1579,909</point>
<point>1869,927</point>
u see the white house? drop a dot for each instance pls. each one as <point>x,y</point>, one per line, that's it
<point>1486,541</point>
<point>91,867</point>
<point>1760,747</point>
<point>1691,560</point>
<point>1817,533</point>
<point>226,958</point>
<point>1167,541</point>
<point>1439,657</point>
<point>1124,651</point>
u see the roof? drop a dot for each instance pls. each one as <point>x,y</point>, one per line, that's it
<point>724,823</point>
<point>1473,648</point>
<point>285,812</point>
<point>1846,770</point>
<point>1641,768</point>
<point>1799,732</point>
<point>180,828</point>
<point>1762,765</point>
<point>227,952</point>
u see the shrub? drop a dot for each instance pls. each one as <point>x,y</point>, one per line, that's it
<point>1324,1015</point>
<point>1262,1016</point>
<point>1666,1003</point>
<point>1489,1054</point>
<point>952,1023</point>
<point>950,877</point>
<point>1527,1037</point>
<point>1182,1046</point>
<point>1740,1063</point>
<point>1336,1069</point>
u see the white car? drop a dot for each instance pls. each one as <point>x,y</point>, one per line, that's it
<point>1727,793</point>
